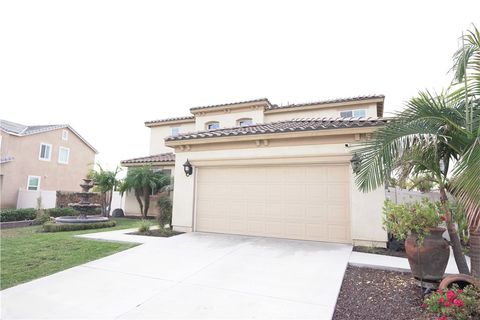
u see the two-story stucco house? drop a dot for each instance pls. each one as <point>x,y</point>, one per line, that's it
<point>41,157</point>
<point>267,170</point>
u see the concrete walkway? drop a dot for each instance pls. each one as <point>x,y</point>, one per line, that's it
<point>369,260</point>
<point>190,276</point>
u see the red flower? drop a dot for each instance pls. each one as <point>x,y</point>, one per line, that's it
<point>443,218</point>
<point>460,291</point>
<point>458,303</point>
<point>441,300</point>
<point>442,318</point>
<point>451,295</point>
<point>424,306</point>
<point>447,304</point>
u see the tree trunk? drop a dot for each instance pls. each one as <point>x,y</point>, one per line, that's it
<point>146,197</point>
<point>454,238</point>
<point>475,252</point>
<point>139,200</point>
<point>109,202</point>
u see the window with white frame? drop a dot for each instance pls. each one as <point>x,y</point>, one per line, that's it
<point>212,125</point>
<point>63,155</point>
<point>175,131</point>
<point>244,122</point>
<point>33,183</point>
<point>45,152</point>
<point>65,135</point>
<point>353,113</point>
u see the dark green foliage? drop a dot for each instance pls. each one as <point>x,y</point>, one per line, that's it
<point>61,212</point>
<point>56,227</point>
<point>41,218</point>
<point>17,214</point>
<point>164,203</point>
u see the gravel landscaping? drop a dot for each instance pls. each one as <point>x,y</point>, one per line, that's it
<point>377,295</point>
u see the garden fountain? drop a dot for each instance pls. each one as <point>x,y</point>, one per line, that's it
<point>83,207</point>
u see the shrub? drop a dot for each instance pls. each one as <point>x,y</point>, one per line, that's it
<point>62,212</point>
<point>17,214</point>
<point>41,218</point>
<point>56,227</point>
<point>416,217</point>
<point>144,226</point>
<point>165,215</point>
<point>454,303</point>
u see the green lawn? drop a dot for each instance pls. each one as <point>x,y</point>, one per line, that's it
<point>27,253</point>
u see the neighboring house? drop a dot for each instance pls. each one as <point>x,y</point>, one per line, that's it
<point>41,157</point>
<point>266,170</point>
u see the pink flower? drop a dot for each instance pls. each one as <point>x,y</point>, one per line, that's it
<point>459,303</point>
<point>451,295</point>
<point>441,300</point>
<point>442,318</point>
<point>447,304</point>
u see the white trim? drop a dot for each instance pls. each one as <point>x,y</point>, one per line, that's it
<point>40,152</point>
<point>39,181</point>
<point>65,135</point>
<point>68,154</point>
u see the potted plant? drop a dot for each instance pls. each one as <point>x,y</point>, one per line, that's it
<point>418,223</point>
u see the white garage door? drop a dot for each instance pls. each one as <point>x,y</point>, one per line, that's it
<point>308,202</point>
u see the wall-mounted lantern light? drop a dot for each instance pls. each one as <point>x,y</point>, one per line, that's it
<point>187,167</point>
<point>355,162</point>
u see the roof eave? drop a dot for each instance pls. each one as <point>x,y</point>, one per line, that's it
<point>160,123</point>
<point>271,136</point>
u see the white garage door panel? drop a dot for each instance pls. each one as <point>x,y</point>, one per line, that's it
<point>309,202</point>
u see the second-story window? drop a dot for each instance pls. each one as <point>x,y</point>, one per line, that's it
<point>353,113</point>
<point>63,155</point>
<point>45,152</point>
<point>244,122</point>
<point>175,131</point>
<point>212,125</point>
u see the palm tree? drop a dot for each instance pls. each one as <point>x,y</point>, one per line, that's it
<point>438,135</point>
<point>105,182</point>
<point>466,83</point>
<point>144,182</point>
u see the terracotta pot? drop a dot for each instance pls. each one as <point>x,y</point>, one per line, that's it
<point>428,260</point>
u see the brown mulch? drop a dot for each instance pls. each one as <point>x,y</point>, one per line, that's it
<point>382,251</point>
<point>379,295</point>
<point>158,233</point>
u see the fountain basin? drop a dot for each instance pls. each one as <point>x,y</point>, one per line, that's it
<point>80,219</point>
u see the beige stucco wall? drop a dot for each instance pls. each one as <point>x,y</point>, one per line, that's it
<point>54,175</point>
<point>229,118</point>
<point>159,133</point>
<point>334,112</point>
<point>365,208</point>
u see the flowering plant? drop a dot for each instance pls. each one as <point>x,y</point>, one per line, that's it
<point>454,303</point>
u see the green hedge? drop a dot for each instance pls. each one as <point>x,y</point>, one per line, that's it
<point>62,212</point>
<point>56,227</point>
<point>17,214</point>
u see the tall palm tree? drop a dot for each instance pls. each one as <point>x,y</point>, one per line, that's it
<point>438,135</point>
<point>144,181</point>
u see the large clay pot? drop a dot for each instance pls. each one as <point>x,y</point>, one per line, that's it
<point>428,260</point>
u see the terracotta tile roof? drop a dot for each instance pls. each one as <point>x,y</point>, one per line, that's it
<point>339,100</point>
<point>147,123</point>
<point>231,103</point>
<point>283,126</point>
<point>24,130</point>
<point>162,157</point>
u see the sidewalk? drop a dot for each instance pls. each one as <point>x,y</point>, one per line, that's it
<point>378,261</point>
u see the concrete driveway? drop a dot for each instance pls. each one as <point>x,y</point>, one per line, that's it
<point>194,275</point>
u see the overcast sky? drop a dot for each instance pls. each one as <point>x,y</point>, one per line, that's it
<point>105,67</point>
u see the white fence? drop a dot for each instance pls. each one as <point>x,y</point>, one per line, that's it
<point>28,199</point>
<point>397,195</point>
